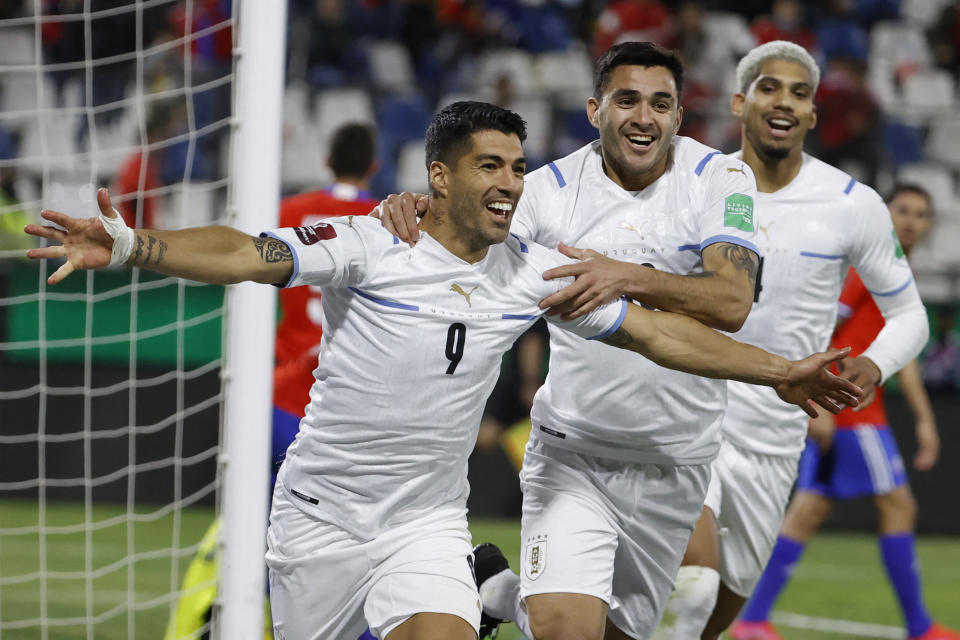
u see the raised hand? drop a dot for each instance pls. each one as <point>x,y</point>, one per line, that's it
<point>399,213</point>
<point>598,280</point>
<point>84,243</point>
<point>809,379</point>
<point>928,445</point>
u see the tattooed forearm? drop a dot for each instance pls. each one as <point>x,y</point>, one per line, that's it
<point>272,250</point>
<point>147,258</point>
<point>619,338</point>
<point>742,258</point>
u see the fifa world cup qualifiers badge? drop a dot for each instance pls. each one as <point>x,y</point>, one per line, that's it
<point>315,233</point>
<point>738,212</point>
<point>535,557</point>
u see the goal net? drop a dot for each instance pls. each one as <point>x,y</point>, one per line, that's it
<point>112,389</point>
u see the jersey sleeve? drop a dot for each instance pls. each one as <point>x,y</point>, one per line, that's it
<point>728,208</point>
<point>599,323</point>
<point>875,252</point>
<point>332,253</point>
<point>881,264</point>
<point>524,223</point>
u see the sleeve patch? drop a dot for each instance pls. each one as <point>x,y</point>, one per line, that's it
<point>897,249</point>
<point>315,233</point>
<point>738,212</point>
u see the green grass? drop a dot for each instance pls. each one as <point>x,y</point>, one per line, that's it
<point>840,577</point>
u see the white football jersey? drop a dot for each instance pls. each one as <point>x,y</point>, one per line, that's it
<point>596,399</point>
<point>812,230</point>
<point>411,348</point>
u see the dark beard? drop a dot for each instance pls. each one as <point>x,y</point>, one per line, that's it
<point>769,152</point>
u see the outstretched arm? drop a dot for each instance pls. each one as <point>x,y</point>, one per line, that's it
<point>719,297</point>
<point>928,440</point>
<point>679,342</point>
<point>218,255</point>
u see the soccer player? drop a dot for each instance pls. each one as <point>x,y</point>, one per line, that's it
<point>858,456</point>
<point>368,518</point>
<point>815,222</point>
<point>615,474</point>
<point>352,160</point>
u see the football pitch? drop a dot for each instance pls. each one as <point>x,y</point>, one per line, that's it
<point>839,590</point>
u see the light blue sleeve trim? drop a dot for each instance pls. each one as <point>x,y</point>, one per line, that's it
<point>556,172</point>
<point>384,301</point>
<point>850,184</point>
<point>825,256</point>
<point>895,291</point>
<point>296,258</point>
<point>515,316</point>
<point>617,324</point>
<point>732,240</point>
<point>703,163</point>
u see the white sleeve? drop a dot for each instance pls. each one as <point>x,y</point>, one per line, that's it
<point>883,267</point>
<point>524,223</point>
<point>331,253</point>
<point>728,210</point>
<point>599,323</point>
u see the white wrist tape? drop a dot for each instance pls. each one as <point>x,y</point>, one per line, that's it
<point>123,237</point>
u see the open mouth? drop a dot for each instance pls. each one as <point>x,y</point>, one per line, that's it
<point>640,141</point>
<point>780,127</point>
<point>500,210</point>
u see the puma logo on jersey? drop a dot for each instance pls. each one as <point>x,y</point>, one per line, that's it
<point>765,228</point>
<point>627,225</point>
<point>458,289</point>
<point>737,170</point>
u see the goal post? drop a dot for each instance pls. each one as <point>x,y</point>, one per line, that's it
<point>251,314</point>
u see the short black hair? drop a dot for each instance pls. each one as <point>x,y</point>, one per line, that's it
<point>449,132</point>
<point>352,151</point>
<point>909,187</point>
<point>643,54</point>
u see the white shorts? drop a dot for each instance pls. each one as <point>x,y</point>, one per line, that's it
<point>611,529</point>
<point>327,584</point>
<point>748,494</point>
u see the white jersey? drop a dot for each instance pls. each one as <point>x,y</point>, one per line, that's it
<point>597,400</point>
<point>411,348</point>
<point>812,230</point>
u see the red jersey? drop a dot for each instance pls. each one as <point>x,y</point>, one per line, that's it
<point>299,331</point>
<point>864,322</point>
<point>128,183</point>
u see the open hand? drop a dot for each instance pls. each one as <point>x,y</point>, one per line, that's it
<point>864,373</point>
<point>928,445</point>
<point>809,379</point>
<point>399,213</point>
<point>598,280</point>
<point>83,242</point>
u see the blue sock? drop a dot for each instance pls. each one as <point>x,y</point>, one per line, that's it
<point>785,555</point>
<point>367,636</point>
<point>903,569</point>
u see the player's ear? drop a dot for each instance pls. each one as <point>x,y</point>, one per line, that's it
<point>813,117</point>
<point>439,175</point>
<point>593,107</point>
<point>736,104</point>
<point>676,127</point>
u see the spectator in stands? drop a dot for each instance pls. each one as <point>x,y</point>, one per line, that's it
<point>139,175</point>
<point>848,118</point>
<point>642,19</point>
<point>840,34</point>
<point>329,41</point>
<point>12,215</point>
<point>786,21</point>
<point>944,38</point>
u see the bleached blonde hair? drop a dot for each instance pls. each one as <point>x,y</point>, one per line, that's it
<point>748,69</point>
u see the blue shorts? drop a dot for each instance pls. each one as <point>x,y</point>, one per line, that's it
<point>861,461</point>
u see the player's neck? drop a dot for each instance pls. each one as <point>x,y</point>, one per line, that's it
<point>454,239</point>
<point>772,174</point>
<point>360,184</point>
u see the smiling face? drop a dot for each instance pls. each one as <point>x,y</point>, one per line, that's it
<point>912,218</point>
<point>482,189</point>
<point>777,109</point>
<point>637,115</point>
